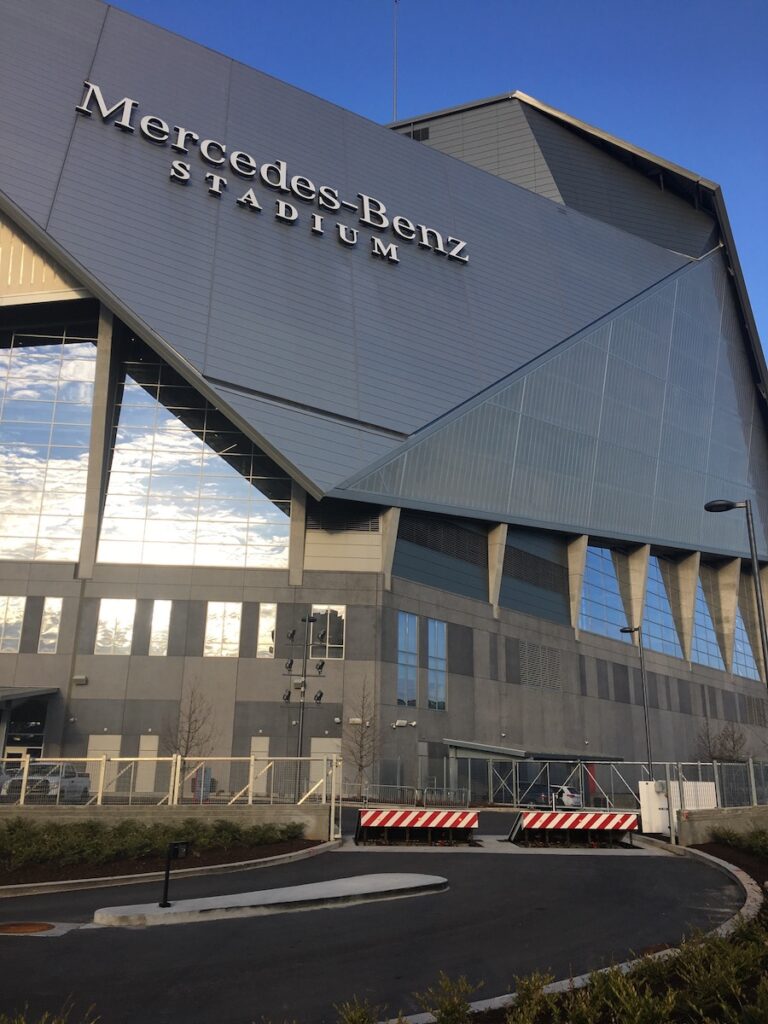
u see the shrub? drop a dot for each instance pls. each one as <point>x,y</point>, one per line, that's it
<point>448,1000</point>
<point>755,841</point>
<point>24,842</point>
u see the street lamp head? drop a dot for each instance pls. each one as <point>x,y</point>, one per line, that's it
<point>723,505</point>
<point>629,629</point>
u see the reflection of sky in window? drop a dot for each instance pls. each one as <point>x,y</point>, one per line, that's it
<point>46,394</point>
<point>114,632</point>
<point>50,622</point>
<point>186,488</point>
<point>659,630</point>
<point>11,619</point>
<point>407,658</point>
<point>161,622</point>
<point>705,649</point>
<point>327,639</point>
<point>743,658</point>
<point>265,644</point>
<point>602,610</point>
<point>436,661</point>
<point>222,629</point>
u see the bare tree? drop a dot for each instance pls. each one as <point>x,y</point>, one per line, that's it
<point>359,736</point>
<point>726,745</point>
<point>191,734</point>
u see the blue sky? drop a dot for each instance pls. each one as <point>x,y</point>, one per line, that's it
<point>687,79</point>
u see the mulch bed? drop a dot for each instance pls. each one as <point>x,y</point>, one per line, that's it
<point>202,858</point>
<point>755,867</point>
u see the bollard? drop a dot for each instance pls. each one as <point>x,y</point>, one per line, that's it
<point>175,852</point>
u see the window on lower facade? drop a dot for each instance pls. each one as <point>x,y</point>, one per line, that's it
<point>50,623</point>
<point>161,622</point>
<point>114,632</point>
<point>328,631</point>
<point>602,610</point>
<point>436,664</point>
<point>11,619</point>
<point>407,658</point>
<point>222,629</point>
<point>265,643</point>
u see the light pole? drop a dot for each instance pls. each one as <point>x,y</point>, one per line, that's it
<point>723,505</point>
<point>644,682</point>
<point>303,690</point>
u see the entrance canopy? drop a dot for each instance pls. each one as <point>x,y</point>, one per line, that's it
<point>10,695</point>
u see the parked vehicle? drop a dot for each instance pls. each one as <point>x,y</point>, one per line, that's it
<point>537,795</point>
<point>46,781</point>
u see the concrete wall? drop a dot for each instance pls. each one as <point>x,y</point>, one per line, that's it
<point>696,826</point>
<point>315,819</point>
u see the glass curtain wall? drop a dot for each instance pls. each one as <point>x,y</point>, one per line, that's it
<point>705,649</point>
<point>602,610</point>
<point>659,630</point>
<point>185,487</point>
<point>743,657</point>
<point>46,394</point>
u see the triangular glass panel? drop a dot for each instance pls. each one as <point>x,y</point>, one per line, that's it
<point>659,630</point>
<point>602,610</point>
<point>186,487</point>
<point>743,658</point>
<point>705,649</point>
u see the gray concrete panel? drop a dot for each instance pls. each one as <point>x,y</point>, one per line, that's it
<point>89,619</point>
<point>30,629</point>
<point>142,627</point>
<point>460,650</point>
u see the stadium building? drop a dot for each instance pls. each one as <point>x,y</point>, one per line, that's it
<point>457,389</point>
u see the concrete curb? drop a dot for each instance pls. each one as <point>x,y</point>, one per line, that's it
<point>753,898</point>
<point>107,881</point>
<point>313,896</point>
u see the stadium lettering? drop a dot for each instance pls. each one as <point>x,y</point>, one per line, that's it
<point>274,175</point>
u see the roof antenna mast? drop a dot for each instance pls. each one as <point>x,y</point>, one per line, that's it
<point>394,59</point>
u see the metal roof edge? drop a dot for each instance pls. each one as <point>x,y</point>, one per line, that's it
<point>163,348</point>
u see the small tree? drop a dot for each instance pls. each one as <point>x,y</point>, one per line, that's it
<point>191,734</point>
<point>359,735</point>
<point>726,745</point>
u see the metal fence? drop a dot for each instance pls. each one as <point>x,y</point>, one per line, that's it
<point>170,781</point>
<point>410,796</point>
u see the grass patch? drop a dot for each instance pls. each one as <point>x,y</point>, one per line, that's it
<point>24,843</point>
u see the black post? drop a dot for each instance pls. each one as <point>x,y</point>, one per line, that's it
<point>169,854</point>
<point>758,588</point>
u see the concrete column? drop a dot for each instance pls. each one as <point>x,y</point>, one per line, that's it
<point>297,536</point>
<point>497,545</point>
<point>389,523</point>
<point>721,590</point>
<point>632,575</point>
<point>681,579</point>
<point>577,560</point>
<point>98,458</point>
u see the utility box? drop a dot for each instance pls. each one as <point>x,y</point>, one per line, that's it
<point>654,807</point>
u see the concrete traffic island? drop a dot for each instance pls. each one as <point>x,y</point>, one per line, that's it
<point>337,892</point>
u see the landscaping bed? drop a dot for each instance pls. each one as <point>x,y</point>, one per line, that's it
<point>53,852</point>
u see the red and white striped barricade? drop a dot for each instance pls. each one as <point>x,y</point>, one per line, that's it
<point>390,824</point>
<point>611,825</point>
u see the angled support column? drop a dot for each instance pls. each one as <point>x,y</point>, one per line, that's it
<point>681,580</point>
<point>297,536</point>
<point>390,521</point>
<point>98,457</point>
<point>721,590</point>
<point>577,560</point>
<point>632,575</point>
<point>497,545</point>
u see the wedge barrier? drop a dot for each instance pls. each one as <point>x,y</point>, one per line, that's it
<point>397,824</point>
<point>595,827</point>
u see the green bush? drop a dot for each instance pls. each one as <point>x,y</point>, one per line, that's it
<point>24,842</point>
<point>755,841</point>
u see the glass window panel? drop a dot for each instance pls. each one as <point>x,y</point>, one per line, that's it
<point>743,657</point>
<point>327,637</point>
<point>49,626</point>
<point>407,658</point>
<point>68,412</point>
<point>659,630</point>
<point>436,664</point>
<point>28,412</point>
<point>602,610</point>
<point>121,552</point>
<point>114,631</point>
<point>222,629</point>
<point>265,644</point>
<point>207,500</point>
<point>66,434</point>
<point>705,649</point>
<point>161,621</point>
<point>11,620</point>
